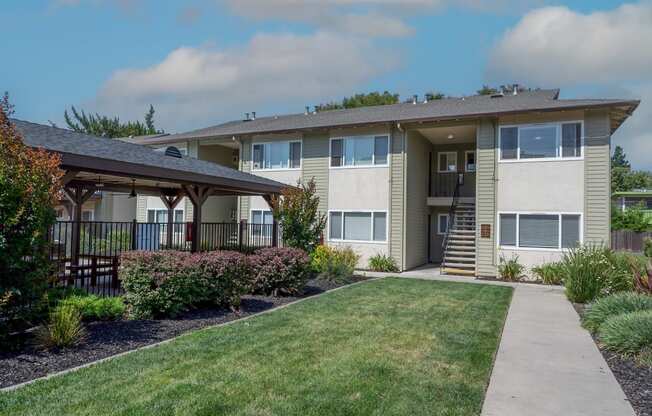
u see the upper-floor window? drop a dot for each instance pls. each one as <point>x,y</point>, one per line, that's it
<point>447,162</point>
<point>359,151</point>
<point>541,141</point>
<point>277,155</point>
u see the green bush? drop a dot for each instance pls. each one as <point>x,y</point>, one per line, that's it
<point>647,250</point>
<point>592,271</point>
<point>617,304</point>
<point>64,328</point>
<point>510,270</point>
<point>627,333</point>
<point>165,283</point>
<point>280,270</point>
<point>335,264</point>
<point>93,308</point>
<point>633,218</point>
<point>382,263</point>
<point>549,273</point>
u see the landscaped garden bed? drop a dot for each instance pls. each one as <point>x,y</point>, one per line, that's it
<point>107,338</point>
<point>390,346</point>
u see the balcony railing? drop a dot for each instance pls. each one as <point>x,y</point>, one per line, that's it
<point>443,184</point>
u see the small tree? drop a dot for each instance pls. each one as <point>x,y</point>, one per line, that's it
<point>29,186</point>
<point>297,212</point>
<point>633,218</point>
<point>104,126</point>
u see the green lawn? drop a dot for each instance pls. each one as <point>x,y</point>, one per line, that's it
<point>384,347</point>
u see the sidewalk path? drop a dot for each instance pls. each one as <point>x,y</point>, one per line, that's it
<point>548,365</point>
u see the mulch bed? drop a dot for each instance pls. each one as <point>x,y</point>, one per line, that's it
<point>634,378</point>
<point>108,338</point>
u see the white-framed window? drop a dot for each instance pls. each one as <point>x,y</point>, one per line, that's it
<point>357,226</point>
<point>277,155</point>
<point>87,215</point>
<point>262,221</point>
<point>359,151</point>
<point>442,223</point>
<point>161,216</point>
<point>550,141</point>
<point>446,162</point>
<point>469,161</point>
<point>541,231</point>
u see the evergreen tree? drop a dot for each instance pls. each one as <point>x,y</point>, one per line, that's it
<point>619,159</point>
<point>103,126</point>
<point>361,100</point>
<point>487,90</point>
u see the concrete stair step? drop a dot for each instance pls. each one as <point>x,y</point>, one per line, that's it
<point>452,270</point>
<point>459,265</point>
<point>466,232</point>
<point>458,259</point>
<point>461,253</point>
<point>461,243</point>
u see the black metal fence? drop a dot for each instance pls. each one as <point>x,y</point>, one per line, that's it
<point>627,240</point>
<point>91,261</point>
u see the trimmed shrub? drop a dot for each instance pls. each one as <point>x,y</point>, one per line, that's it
<point>549,273</point>
<point>94,308</point>
<point>617,304</point>
<point>592,271</point>
<point>221,276</point>
<point>627,333</point>
<point>279,270</point>
<point>510,270</point>
<point>64,328</point>
<point>167,282</point>
<point>335,264</point>
<point>382,263</point>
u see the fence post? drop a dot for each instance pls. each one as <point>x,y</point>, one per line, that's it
<point>241,234</point>
<point>134,235</point>
<point>94,271</point>
<point>114,273</point>
<point>274,234</point>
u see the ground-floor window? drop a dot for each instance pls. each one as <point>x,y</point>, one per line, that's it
<point>363,226</point>
<point>161,215</point>
<point>540,230</point>
<point>261,218</point>
<point>442,224</point>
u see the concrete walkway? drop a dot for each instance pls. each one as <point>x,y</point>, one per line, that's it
<point>547,364</point>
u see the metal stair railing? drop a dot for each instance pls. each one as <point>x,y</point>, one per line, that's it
<point>451,220</point>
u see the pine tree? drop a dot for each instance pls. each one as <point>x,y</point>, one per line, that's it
<point>619,159</point>
<point>103,126</point>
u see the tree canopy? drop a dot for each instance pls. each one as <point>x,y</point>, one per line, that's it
<point>619,158</point>
<point>361,100</point>
<point>623,178</point>
<point>104,126</point>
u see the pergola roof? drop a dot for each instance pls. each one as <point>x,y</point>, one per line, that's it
<point>118,165</point>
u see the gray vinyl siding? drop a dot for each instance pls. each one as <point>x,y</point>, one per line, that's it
<point>315,165</point>
<point>397,198</point>
<point>245,166</point>
<point>597,206</point>
<point>416,213</point>
<point>486,197</point>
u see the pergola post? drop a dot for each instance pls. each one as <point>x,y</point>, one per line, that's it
<point>77,196</point>
<point>170,202</point>
<point>197,195</point>
<point>268,198</point>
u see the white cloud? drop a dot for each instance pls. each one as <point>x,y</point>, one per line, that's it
<point>195,86</point>
<point>605,50</point>
<point>556,45</point>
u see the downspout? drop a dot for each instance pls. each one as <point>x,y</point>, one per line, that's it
<point>240,152</point>
<point>495,180</point>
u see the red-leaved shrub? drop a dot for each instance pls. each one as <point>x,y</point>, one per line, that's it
<point>279,270</point>
<point>166,282</point>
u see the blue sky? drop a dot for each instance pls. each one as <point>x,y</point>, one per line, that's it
<point>201,62</point>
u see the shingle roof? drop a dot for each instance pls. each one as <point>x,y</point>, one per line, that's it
<point>75,146</point>
<point>447,108</point>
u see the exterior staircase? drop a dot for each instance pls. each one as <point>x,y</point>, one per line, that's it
<point>459,244</point>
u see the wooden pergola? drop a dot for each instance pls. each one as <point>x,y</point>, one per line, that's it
<point>93,163</point>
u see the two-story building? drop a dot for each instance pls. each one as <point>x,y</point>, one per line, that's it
<point>456,181</point>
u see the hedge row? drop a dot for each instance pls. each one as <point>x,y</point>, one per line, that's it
<point>165,283</point>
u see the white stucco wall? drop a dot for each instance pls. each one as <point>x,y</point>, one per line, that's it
<point>287,176</point>
<point>538,187</point>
